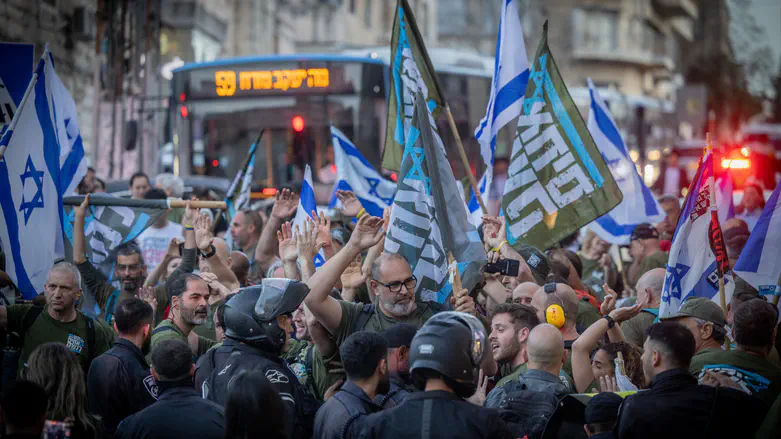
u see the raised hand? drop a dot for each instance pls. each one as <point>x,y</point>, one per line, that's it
<point>216,289</point>
<point>609,304</point>
<point>626,313</point>
<point>323,229</point>
<point>147,294</point>
<point>478,398</point>
<point>306,241</point>
<point>173,248</point>
<point>608,384</point>
<point>351,204</point>
<point>288,250</point>
<point>203,233</point>
<point>285,204</point>
<point>494,233</point>
<point>368,232</point>
<point>386,216</point>
<point>335,387</point>
<point>352,277</point>
<point>83,208</point>
<point>464,302</point>
<point>190,213</point>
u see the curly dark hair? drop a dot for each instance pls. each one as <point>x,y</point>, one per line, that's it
<point>632,362</point>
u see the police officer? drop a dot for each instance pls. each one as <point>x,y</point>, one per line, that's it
<point>258,319</point>
<point>119,382</point>
<point>445,356</point>
<point>218,353</point>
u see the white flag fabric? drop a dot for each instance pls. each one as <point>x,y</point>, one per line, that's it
<point>355,173</point>
<point>639,205</point>
<point>691,269</point>
<point>31,200</point>
<point>73,167</point>
<point>511,74</point>
<point>759,264</point>
<point>724,199</point>
<point>307,205</point>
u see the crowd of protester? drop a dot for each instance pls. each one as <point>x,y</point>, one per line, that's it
<point>195,338</point>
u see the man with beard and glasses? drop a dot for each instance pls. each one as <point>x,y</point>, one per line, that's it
<point>189,308</point>
<point>392,286</point>
<point>129,268</point>
<point>364,356</point>
<point>119,382</point>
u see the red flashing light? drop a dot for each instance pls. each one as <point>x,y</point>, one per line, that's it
<point>215,163</point>
<point>270,191</point>
<point>735,163</point>
<point>184,112</point>
<point>182,97</point>
<point>298,124</point>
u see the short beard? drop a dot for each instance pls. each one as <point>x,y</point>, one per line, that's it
<point>397,309</point>
<point>132,287</point>
<point>188,316</point>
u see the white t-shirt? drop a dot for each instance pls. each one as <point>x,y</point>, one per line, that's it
<point>154,243</point>
<point>672,182</point>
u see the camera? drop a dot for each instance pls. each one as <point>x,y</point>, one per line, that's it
<point>506,267</point>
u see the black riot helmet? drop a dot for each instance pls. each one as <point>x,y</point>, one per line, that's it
<point>451,344</point>
<point>251,314</point>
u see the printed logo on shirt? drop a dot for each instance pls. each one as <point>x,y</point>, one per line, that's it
<point>75,343</point>
<point>276,377</point>
<point>151,386</point>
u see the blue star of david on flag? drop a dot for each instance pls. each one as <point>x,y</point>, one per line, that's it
<point>37,201</point>
<point>416,171</point>
<point>674,280</point>
<point>373,184</point>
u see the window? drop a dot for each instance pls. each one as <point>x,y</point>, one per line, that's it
<point>367,13</point>
<point>595,29</point>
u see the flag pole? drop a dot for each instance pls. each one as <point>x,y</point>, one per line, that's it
<point>15,120</point>
<point>455,277</point>
<point>714,207</point>
<point>464,159</point>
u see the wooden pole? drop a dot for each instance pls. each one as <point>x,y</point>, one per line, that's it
<point>198,204</point>
<point>464,159</point>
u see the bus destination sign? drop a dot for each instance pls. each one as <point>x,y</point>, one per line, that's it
<point>226,81</point>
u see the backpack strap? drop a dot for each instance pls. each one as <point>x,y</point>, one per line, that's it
<point>387,397</point>
<point>212,358</point>
<point>160,329</point>
<point>425,426</point>
<point>90,339</point>
<point>29,320</point>
<point>363,317</point>
<point>308,362</point>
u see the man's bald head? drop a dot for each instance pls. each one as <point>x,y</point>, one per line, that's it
<point>524,293</point>
<point>649,287</point>
<point>546,349</point>
<point>240,266</point>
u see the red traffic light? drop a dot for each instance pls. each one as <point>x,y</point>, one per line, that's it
<point>298,124</point>
<point>184,112</point>
<point>182,97</point>
<point>215,163</point>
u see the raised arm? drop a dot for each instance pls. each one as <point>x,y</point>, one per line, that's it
<point>324,234</point>
<point>324,343</point>
<point>352,279</point>
<point>288,251</point>
<point>307,249</point>
<point>376,250</point>
<point>284,207</point>
<point>79,247</point>
<point>495,237</point>
<point>325,308</point>
<point>172,252</point>
<point>204,240</point>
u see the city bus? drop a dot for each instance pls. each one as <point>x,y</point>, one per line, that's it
<point>220,107</point>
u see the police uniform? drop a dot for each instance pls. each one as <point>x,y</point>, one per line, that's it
<point>335,416</point>
<point>209,361</point>
<point>119,384</point>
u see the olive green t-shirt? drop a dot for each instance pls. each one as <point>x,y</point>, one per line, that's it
<point>587,315</point>
<point>753,373</point>
<point>47,330</point>
<point>656,260</point>
<point>204,344</point>
<point>634,328</point>
<point>322,379</point>
<point>378,321</point>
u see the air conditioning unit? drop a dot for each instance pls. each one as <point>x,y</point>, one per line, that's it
<point>83,24</point>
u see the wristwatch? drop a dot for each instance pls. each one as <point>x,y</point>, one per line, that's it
<point>212,251</point>
<point>610,321</point>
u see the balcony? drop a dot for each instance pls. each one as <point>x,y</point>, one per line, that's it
<point>642,58</point>
<point>676,8</point>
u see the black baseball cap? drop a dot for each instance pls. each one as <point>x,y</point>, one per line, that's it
<point>537,262</point>
<point>399,335</point>
<point>603,408</point>
<point>644,231</point>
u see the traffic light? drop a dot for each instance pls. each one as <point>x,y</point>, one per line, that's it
<point>298,124</point>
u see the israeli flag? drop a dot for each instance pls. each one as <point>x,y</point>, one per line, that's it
<point>31,200</point>
<point>511,74</point>
<point>724,199</point>
<point>73,167</point>
<point>639,205</point>
<point>307,205</point>
<point>691,269</point>
<point>355,173</point>
<point>759,264</point>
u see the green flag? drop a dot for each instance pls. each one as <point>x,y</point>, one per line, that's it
<point>411,71</point>
<point>557,180</point>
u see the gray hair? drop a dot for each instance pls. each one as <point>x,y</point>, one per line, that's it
<point>172,182</point>
<point>719,332</point>
<point>63,267</point>
<point>377,265</point>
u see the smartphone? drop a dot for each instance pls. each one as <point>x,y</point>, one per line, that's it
<point>56,430</point>
<point>507,267</point>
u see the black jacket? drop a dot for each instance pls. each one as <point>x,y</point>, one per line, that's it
<point>399,391</point>
<point>211,360</point>
<point>119,384</point>
<point>341,410</point>
<point>179,413</point>
<point>435,414</point>
<point>676,407</point>
<point>300,406</point>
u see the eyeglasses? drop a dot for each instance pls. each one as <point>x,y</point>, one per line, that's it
<point>395,287</point>
<point>122,267</point>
